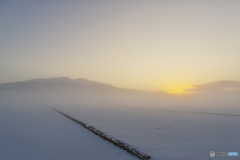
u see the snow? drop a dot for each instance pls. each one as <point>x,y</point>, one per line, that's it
<point>169,128</point>
<point>36,132</point>
<point>165,135</point>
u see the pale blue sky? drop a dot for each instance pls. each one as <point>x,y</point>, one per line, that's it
<point>149,45</point>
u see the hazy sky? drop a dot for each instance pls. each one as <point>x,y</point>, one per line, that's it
<point>148,45</point>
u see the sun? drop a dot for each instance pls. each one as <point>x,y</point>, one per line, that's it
<point>176,91</point>
<point>178,88</point>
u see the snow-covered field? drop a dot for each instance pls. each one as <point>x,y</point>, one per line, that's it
<point>166,135</point>
<point>31,130</point>
<point>39,133</point>
<point>34,131</point>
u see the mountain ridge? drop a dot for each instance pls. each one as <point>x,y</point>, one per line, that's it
<point>66,83</point>
<point>62,84</point>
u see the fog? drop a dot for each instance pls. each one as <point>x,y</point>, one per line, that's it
<point>214,101</point>
<point>156,123</point>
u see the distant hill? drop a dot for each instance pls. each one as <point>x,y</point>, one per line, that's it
<point>65,84</point>
<point>212,97</point>
<point>61,84</point>
<point>63,90</point>
<point>217,86</point>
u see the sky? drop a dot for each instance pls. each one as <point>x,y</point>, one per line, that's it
<point>148,45</point>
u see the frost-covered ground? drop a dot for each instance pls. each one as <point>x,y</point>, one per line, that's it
<point>39,133</point>
<point>166,135</point>
<point>30,129</point>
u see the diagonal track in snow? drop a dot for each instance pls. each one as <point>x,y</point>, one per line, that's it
<point>104,136</point>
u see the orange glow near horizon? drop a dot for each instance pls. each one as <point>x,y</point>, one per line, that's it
<point>178,89</point>
<point>151,46</point>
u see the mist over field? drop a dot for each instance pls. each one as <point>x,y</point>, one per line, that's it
<point>217,97</point>
<point>157,123</point>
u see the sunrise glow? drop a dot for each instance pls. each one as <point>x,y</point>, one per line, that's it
<point>151,46</point>
<point>177,88</point>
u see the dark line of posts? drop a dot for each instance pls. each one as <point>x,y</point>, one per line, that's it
<point>104,136</point>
